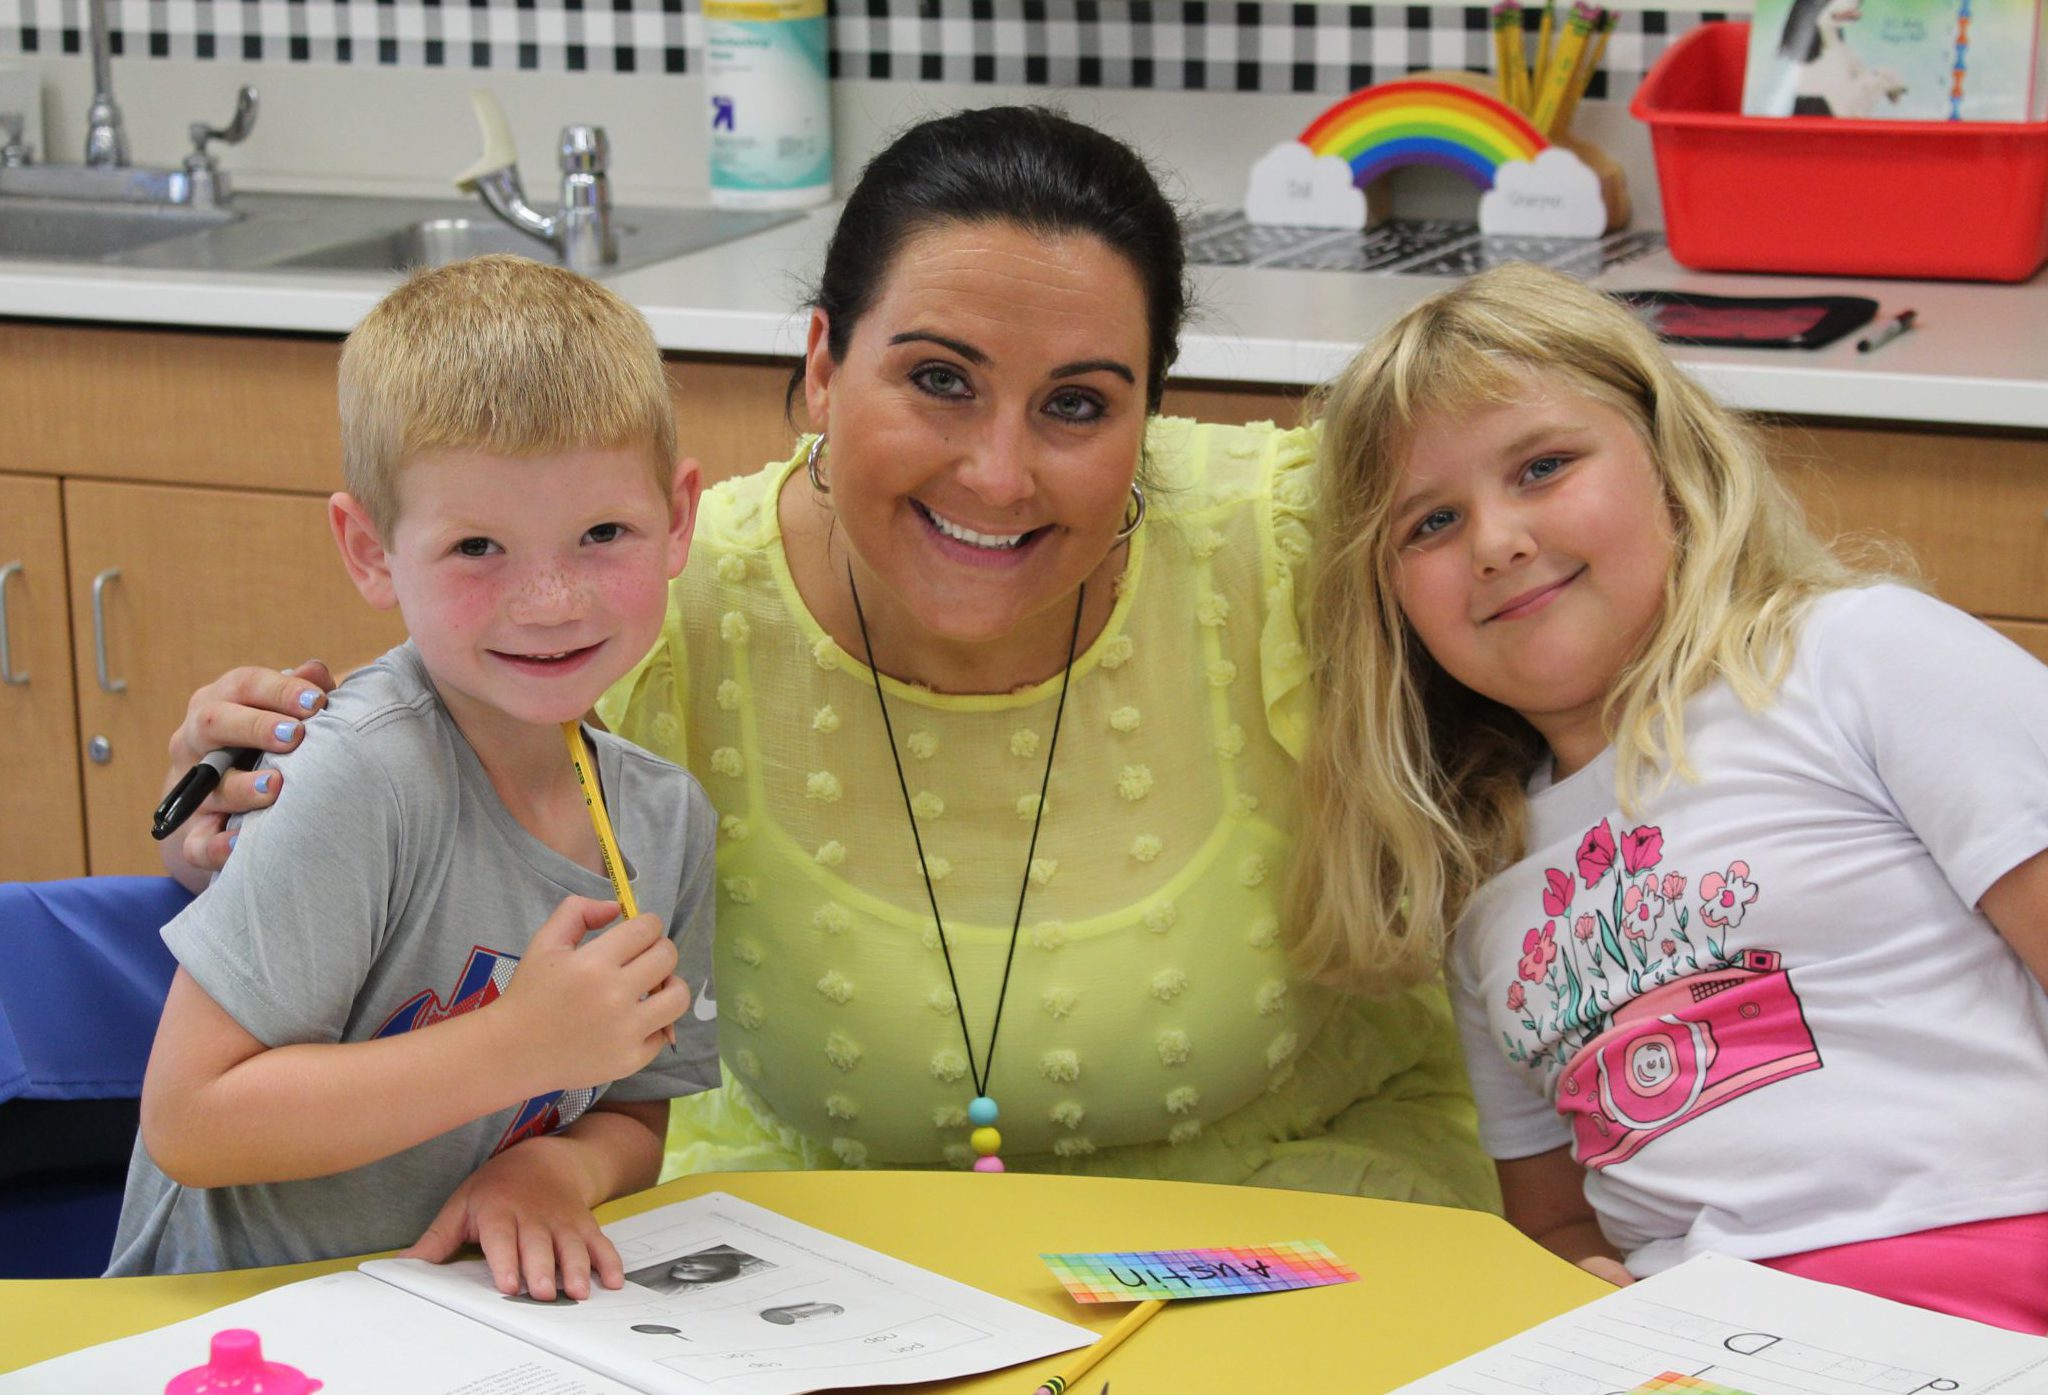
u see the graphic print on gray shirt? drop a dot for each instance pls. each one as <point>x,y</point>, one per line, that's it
<point>391,890</point>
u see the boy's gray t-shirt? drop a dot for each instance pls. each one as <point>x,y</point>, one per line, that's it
<point>390,889</point>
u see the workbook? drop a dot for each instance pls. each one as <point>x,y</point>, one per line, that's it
<point>1720,1326</point>
<point>1900,60</point>
<point>720,1296</point>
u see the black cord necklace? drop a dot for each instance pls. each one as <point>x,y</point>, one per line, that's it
<point>981,1111</point>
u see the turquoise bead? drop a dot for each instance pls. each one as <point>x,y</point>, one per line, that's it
<point>981,1112</point>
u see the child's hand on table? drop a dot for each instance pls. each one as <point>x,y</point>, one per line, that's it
<point>1602,1267</point>
<point>526,1208</point>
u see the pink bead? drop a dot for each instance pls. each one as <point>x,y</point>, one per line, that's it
<point>991,1163</point>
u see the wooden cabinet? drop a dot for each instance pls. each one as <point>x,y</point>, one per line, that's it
<point>196,581</point>
<point>1969,508</point>
<point>42,825</point>
<point>190,470</point>
<point>179,480</point>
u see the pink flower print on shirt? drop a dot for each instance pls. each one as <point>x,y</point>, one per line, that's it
<point>1724,900</point>
<point>1640,848</point>
<point>1584,927</point>
<point>1670,948</point>
<point>1596,853</point>
<point>1642,906</point>
<point>1674,886</point>
<point>1557,892</point>
<point>1516,997</point>
<point>1538,950</point>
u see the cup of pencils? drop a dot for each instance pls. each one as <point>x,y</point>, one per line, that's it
<point>1546,86</point>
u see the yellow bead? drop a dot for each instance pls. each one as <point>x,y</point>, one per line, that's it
<point>985,1141</point>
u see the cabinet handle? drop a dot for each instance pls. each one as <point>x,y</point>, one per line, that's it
<point>108,684</point>
<point>7,673</point>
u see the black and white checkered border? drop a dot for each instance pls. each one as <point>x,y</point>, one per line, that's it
<point>1173,45</point>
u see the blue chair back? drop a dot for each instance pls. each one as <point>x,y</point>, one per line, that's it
<point>83,974</point>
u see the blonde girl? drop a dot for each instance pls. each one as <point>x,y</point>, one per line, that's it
<point>1733,856</point>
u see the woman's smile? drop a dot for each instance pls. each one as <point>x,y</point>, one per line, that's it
<point>974,547</point>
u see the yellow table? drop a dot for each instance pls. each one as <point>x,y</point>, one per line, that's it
<point>1434,1284</point>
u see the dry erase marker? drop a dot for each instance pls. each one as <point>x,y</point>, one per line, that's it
<point>601,824</point>
<point>190,792</point>
<point>1888,331</point>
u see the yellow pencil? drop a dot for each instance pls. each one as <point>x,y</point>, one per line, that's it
<point>1540,60</point>
<point>1577,91</point>
<point>601,824</point>
<point>1563,66</point>
<point>1507,51</point>
<point>1107,1343</point>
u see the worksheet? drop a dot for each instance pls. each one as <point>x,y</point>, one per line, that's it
<point>1720,1326</point>
<point>722,1297</point>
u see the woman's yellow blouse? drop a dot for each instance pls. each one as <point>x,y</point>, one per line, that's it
<point>1152,1027</point>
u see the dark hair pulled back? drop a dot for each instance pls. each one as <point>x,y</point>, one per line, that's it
<point>1027,166</point>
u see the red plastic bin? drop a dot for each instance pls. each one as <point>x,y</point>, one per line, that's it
<point>1959,201</point>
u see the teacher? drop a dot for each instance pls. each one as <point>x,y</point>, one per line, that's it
<point>998,686</point>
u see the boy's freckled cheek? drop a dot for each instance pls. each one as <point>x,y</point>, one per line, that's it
<point>470,603</point>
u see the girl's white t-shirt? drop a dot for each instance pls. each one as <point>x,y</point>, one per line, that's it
<point>1764,1012</point>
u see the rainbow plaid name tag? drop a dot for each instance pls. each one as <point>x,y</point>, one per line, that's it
<point>1124,1276</point>
<point>1672,1381</point>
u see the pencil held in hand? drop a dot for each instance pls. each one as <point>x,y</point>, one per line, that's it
<point>601,824</point>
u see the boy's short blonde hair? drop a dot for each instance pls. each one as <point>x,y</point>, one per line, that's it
<point>498,355</point>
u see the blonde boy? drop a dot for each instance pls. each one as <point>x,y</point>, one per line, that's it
<point>388,1025</point>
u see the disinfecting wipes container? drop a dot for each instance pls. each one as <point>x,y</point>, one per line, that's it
<point>771,103</point>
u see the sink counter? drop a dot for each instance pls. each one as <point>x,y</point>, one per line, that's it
<point>1978,356</point>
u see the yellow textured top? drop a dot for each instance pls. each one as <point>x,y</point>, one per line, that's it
<point>1152,1026</point>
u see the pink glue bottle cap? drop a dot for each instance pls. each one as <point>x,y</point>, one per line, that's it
<point>238,1368</point>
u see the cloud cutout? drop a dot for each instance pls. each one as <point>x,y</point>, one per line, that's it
<point>1555,195</point>
<point>1292,184</point>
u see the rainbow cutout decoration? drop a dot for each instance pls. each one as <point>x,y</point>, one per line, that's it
<point>1416,121</point>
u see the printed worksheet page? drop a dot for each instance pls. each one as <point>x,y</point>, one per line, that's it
<point>722,1295</point>
<point>346,1330</point>
<point>1719,1326</point>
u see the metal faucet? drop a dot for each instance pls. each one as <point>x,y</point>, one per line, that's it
<point>106,175</point>
<point>106,143</point>
<point>581,230</point>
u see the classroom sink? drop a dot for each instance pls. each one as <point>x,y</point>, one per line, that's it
<point>62,229</point>
<point>644,236</point>
<point>301,234</point>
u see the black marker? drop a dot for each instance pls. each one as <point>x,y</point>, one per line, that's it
<point>191,791</point>
<point>1886,332</point>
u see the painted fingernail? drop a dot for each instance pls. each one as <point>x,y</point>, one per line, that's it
<point>285,731</point>
<point>233,838</point>
<point>263,782</point>
<point>307,699</point>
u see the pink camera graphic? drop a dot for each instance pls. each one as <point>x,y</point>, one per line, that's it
<point>1682,1049</point>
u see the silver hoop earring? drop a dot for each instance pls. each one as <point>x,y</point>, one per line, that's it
<point>811,459</point>
<point>1134,515</point>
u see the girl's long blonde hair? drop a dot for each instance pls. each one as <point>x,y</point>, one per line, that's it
<point>1412,784</point>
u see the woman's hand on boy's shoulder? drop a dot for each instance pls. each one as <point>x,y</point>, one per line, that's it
<point>261,709</point>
